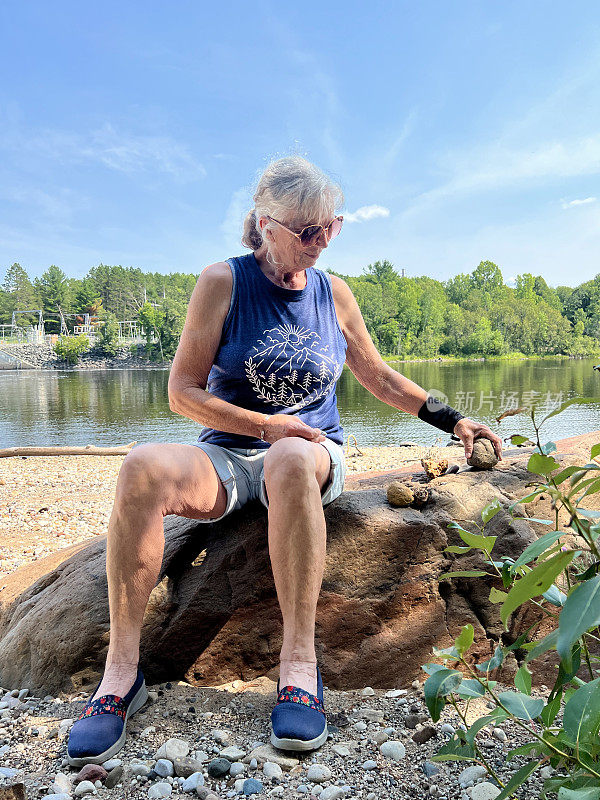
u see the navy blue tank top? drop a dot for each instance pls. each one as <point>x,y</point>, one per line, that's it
<point>281,352</point>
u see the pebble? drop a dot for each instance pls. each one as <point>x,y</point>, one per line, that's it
<point>424,735</point>
<point>62,784</point>
<point>396,693</point>
<point>546,772</point>
<point>172,749</point>
<point>85,787</point>
<point>332,793</point>
<point>484,791</point>
<point>369,764</point>
<point>112,763</point>
<point>359,726</point>
<point>368,691</point>
<point>429,768</point>
<point>57,796</point>
<point>219,767</point>
<point>220,736</point>
<point>159,790</point>
<point>266,752</point>
<point>164,768</point>
<point>318,773</point>
<point>90,772</point>
<point>232,753</point>
<point>449,729</point>
<point>393,749</point>
<point>341,750</point>
<point>184,767</point>
<point>143,769</point>
<point>270,769</point>
<point>7,772</point>
<point>379,737</point>
<point>113,777</point>
<point>500,734</point>
<point>252,786</point>
<point>470,775</point>
<point>191,783</point>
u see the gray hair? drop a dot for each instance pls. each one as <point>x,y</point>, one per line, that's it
<point>291,187</point>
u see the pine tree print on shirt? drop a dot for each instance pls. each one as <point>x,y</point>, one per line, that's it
<point>290,368</point>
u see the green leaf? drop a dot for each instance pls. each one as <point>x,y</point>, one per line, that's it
<point>528,497</point>
<point>541,465</point>
<point>496,595</point>
<point>494,661</point>
<point>516,438</point>
<point>528,747</point>
<point>517,779</point>
<point>521,705</point>
<point>474,540</point>
<point>581,717</point>
<point>536,548</point>
<point>584,793</point>
<point>595,451</point>
<point>523,679</point>
<point>541,647</point>
<point>431,668</point>
<point>446,652</point>
<point>564,474</point>
<point>437,686</point>
<point>550,710</point>
<point>491,510</point>
<point>534,583</point>
<point>549,447</point>
<point>470,688</point>
<point>592,489</point>
<point>456,548</point>
<point>464,640</point>
<point>466,573</point>
<point>455,750</point>
<point>580,612</point>
<point>537,519</point>
<point>555,596</point>
<point>587,512</point>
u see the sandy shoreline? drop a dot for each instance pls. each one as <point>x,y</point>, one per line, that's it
<point>49,503</point>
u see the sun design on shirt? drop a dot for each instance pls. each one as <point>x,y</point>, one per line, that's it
<point>289,367</point>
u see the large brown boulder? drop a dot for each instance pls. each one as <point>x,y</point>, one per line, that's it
<point>214,616</point>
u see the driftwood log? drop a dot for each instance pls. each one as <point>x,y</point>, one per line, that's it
<point>88,450</point>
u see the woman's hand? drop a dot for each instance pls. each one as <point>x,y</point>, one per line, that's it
<point>278,426</point>
<point>468,430</point>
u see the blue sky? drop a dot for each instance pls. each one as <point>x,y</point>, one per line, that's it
<point>133,133</point>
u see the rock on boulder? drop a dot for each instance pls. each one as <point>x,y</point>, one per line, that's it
<point>214,617</point>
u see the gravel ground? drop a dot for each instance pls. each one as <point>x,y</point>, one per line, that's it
<point>353,763</point>
<point>69,500</point>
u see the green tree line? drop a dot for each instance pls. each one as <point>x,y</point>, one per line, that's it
<point>468,315</point>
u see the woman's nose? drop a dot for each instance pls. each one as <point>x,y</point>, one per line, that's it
<point>323,240</point>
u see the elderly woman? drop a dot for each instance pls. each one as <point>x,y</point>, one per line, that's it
<point>264,343</point>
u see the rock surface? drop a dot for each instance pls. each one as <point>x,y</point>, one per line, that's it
<point>214,616</point>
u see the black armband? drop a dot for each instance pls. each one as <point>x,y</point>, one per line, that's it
<point>439,414</point>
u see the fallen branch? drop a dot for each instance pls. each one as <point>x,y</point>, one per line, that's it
<point>88,450</point>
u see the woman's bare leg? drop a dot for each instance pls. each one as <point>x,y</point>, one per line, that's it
<point>295,472</point>
<point>154,480</point>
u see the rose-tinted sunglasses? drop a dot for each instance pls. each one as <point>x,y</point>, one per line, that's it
<point>311,233</point>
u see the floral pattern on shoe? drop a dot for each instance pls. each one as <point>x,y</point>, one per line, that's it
<point>293,694</point>
<point>107,704</point>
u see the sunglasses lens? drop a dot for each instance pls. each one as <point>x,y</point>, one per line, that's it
<point>334,228</point>
<point>311,234</point>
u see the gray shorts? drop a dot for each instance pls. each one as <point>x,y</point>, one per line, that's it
<point>242,473</point>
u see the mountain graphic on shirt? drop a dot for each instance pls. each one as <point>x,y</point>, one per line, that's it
<point>290,367</point>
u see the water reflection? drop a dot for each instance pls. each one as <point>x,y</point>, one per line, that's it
<point>118,406</point>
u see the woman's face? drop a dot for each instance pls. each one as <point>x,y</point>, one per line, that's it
<point>287,249</point>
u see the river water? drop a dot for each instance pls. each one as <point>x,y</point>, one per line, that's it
<point>110,407</point>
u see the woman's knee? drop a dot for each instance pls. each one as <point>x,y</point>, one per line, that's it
<point>290,458</point>
<point>145,474</point>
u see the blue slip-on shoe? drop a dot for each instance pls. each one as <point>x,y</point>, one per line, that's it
<point>99,732</point>
<point>298,720</point>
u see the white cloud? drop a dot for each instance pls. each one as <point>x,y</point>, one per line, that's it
<point>115,149</point>
<point>233,225</point>
<point>366,213</point>
<point>582,202</point>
